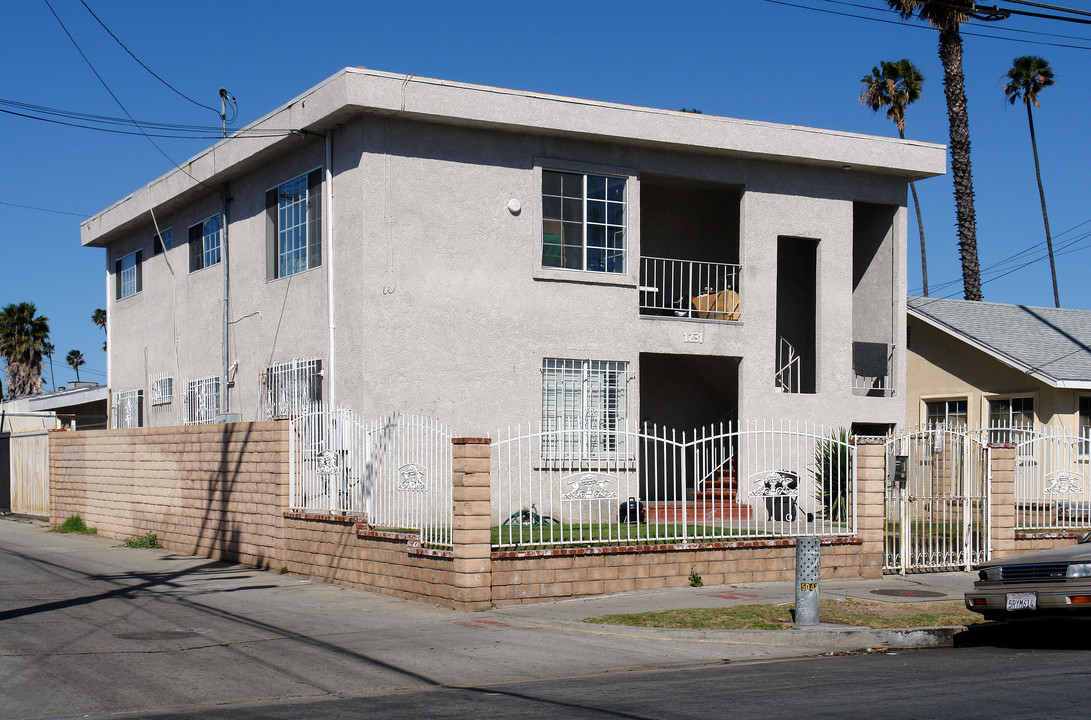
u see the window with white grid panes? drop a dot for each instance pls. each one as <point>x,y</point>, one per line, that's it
<point>584,409</point>
<point>951,413</point>
<point>162,390</point>
<point>583,221</point>
<point>291,388</point>
<point>201,402</point>
<point>204,244</point>
<point>127,276</point>
<point>294,226</point>
<point>1010,419</point>
<point>128,409</point>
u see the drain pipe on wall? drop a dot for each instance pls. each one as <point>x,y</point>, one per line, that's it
<point>329,268</point>
<point>225,401</point>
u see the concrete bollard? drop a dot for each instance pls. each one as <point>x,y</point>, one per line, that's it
<point>807,572</point>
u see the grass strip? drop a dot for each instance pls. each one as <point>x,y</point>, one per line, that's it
<point>779,617</point>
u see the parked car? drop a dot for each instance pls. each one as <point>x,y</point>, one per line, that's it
<point>1045,584</point>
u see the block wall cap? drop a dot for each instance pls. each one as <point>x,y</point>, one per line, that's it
<point>471,441</point>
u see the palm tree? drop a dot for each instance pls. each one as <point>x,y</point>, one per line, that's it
<point>897,85</point>
<point>1027,77</point>
<point>946,16</point>
<point>98,317</point>
<point>48,350</point>
<point>22,334</point>
<point>75,359</point>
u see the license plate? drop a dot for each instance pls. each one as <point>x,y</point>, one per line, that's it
<point>1022,601</point>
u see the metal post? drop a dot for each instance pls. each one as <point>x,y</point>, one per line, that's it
<point>807,573</point>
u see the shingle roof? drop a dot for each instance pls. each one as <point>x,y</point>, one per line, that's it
<point>1050,344</point>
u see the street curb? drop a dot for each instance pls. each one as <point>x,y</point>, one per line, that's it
<point>823,636</point>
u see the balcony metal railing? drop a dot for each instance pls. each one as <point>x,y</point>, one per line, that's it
<point>689,289</point>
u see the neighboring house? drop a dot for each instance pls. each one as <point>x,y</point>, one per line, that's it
<point>1011,368</point>
<point>77,406</point>
<point>491,257</point>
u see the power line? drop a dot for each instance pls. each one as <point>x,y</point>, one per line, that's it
<point>150,71</point>
<point>48,210</point>
<point>118,101</point>
<point>213,135</point>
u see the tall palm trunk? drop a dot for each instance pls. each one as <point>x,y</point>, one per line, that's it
<point>950,55</point>
<point>1045,215</point>
<point>920,228</point>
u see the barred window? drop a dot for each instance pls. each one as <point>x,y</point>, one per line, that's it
<point>584,409</point>
<point>291,388</point>
<point>201,403</point>
<point>128,409</point>
<point>162,390</point>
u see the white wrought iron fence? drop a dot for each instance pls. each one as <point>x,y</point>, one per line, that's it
<point>1052,488</point>
<point>788,375</point>
<point>395,470</point>
<point>722,482</point>
<point>689,288</point>
<point>938,507</point>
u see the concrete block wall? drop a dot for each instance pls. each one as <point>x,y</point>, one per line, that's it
<point>221,491</point>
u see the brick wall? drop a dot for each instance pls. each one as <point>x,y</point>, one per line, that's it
<point>221,491</point>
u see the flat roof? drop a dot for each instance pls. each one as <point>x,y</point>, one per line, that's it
<point>359,91</point>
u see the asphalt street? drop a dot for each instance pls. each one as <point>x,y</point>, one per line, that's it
<point>90,628</point>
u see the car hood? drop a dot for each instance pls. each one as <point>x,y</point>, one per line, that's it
<point>1069,553</point>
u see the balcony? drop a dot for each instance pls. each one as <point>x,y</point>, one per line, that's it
<point>872,369</point>
<point>689,289</point>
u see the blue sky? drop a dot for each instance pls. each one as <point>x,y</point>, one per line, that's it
<point>798,62</point>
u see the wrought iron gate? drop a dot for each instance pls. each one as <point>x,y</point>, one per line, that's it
<point>937,508</point>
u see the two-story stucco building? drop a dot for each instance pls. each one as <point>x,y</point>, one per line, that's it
<point>388,242</point>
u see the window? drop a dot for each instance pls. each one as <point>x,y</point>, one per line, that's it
<point>583,222</point>
<point>162,390</point>
<point>1085,425</point>
<point>201,403</point>
<point>1010,419</point>
<point>161,242</point>
<point>294,226</point>
<point>291,388</point>
<point>951,413</point>
<point>584,405</point>
<point>127,281</point>
<point>204,244</point>
<point>128,409</point>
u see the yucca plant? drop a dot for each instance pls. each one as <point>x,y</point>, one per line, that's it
<point>833,474</point>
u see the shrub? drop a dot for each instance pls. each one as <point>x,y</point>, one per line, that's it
<point>75,524</point>
<point>147,540</point>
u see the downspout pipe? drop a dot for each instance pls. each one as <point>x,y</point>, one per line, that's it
<point>328,227</point>
<point>225,398</point>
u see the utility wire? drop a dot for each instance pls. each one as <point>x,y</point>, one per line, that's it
<point>41,209</point>
<point>150,71</point>
<point>120,104</point>
<point>141,132</point>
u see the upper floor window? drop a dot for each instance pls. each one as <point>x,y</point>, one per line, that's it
<point>161,242</point>
<point>294,226</point>
<point>204,244</point>
<point>1010,419</point>
<point>127,281</point>
<point>951,413</point>
<point>584,409</point>
<point>583,221</point>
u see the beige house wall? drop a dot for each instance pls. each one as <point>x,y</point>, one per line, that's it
<point>942,367</point>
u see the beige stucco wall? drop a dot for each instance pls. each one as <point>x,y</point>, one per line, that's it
<point>942,367</point>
